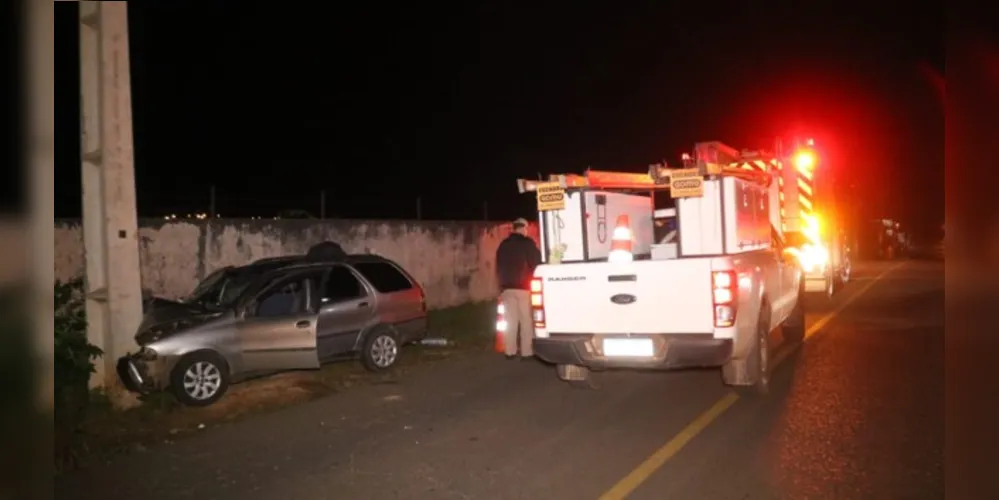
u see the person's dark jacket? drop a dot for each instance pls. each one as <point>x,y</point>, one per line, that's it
<point>326,250</point>
<point>516,258</point>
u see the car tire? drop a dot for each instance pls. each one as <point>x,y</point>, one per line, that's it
<point>380,350</point>
<point>200,379</point>
<point>751,376</point>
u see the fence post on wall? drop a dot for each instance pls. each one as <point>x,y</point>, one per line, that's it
<point>211,202</point>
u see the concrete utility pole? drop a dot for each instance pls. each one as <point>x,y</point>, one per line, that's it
<point>110,226</point>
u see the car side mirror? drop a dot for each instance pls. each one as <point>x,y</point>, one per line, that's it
<point>245,310</point>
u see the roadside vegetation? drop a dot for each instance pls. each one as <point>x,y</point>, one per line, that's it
<point>90,429</point>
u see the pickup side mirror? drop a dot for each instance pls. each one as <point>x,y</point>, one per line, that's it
<point>788,258</point>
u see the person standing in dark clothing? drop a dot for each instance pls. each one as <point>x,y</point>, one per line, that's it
<point>516,258</point>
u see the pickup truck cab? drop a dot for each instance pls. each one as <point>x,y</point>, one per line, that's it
<point>700,284</point>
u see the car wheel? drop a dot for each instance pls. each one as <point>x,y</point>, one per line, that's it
<point>200,379</point>
<point>380,350</point>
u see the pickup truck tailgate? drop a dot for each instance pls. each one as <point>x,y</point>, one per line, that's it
<point>647,296</point>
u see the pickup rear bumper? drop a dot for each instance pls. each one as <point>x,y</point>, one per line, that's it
<point>670,351</point>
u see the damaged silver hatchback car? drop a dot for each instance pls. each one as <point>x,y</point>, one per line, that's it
<point>274,316</point>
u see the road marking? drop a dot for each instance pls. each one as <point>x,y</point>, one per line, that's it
<point>638,476</point>
<point>635,478</point>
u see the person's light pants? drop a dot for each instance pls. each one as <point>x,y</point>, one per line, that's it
<point>517,307</point>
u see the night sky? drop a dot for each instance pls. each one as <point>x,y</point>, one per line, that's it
<point>378,106</point>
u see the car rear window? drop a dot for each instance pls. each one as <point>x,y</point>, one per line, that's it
<point>385,277</point>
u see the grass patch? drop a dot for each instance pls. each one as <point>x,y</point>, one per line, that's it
<point>160,419</point>
<point>469,324</point>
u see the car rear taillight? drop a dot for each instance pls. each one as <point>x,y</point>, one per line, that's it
<point>423,301</point>
<point>724,288</point>
<point>537,303</point>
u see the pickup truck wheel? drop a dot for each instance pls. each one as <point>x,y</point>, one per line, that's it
<point>793,329</point>
<point>577,376</point>
<point>844,275</point>
<point>751,376</point>
<point>199,379</point>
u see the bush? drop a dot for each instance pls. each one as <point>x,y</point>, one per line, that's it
<point>73,364</point>
<point>74,355</point>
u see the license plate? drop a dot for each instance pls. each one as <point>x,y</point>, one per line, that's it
<point>628,347</point>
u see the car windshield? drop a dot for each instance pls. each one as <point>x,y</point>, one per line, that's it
<point>208,290</point>
<point>221,289</point>
<point>235,286</point>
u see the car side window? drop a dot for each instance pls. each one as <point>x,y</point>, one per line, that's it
<point>286,298</point>
<point>385,277</point>
<point>341,286</point>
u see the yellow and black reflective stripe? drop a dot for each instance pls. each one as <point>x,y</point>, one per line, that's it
<point>752,165</point>
<point>806,191</point>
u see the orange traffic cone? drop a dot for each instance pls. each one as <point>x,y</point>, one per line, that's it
<point>501,326</point>
<point>620,250</point>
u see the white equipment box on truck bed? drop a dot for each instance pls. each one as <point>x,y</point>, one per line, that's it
<point>699,284</point>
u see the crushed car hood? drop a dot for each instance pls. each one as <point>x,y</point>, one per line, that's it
<point>167,317</point>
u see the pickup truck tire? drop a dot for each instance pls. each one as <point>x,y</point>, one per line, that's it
<point>845,272</point>
<point>751,376</point>
<point>793,329</point>
<point>577,376</point>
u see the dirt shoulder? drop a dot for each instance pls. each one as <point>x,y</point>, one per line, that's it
<point>159,419</point>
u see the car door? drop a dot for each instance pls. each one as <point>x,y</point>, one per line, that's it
<point>346,308</point>
<point>278,330</point>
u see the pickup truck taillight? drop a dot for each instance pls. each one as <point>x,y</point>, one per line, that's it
<point>537,303</point>
<point>724,288</point>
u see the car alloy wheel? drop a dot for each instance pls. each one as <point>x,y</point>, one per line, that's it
<point>202,380</point>
<point>384,351</point>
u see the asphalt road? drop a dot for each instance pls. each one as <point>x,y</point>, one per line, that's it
<point>855,412</point>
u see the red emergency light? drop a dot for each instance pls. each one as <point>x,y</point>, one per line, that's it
<point>805,160</point>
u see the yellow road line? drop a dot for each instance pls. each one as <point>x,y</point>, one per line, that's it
<point>638,476</point>
<point>635,478</point>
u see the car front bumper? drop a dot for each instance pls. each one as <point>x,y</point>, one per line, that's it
<point>140,375</point>
<point>670,351</point>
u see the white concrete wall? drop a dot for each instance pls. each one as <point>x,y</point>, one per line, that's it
<point>452,260</point>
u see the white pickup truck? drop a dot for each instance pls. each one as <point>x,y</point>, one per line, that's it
<point>699,284</point>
